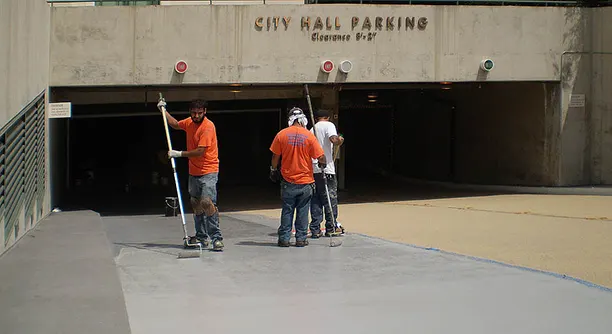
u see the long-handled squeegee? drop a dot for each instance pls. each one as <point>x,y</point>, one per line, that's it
<point>333,242</point>
<point>187,241</point>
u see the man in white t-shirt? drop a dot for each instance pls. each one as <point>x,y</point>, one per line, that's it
<point>326,134</point>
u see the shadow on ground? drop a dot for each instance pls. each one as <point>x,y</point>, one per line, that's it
<point>263,196</point>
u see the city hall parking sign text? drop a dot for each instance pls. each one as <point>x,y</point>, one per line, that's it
<point>321,28</point>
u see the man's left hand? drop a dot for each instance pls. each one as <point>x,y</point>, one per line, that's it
<point>274,176</point>
<point>160,104</point>
<point>174,154</point>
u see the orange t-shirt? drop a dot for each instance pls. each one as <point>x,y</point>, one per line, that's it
<point>201,135</point>
<point>296,146</point>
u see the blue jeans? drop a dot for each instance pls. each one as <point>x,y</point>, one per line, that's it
<point>205,186</point>
<point>319,203</point>
<point>296,198</point>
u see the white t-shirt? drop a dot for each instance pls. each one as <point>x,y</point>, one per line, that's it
<point>325,130</point>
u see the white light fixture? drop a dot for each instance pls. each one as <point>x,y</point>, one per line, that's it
<point>487,65</point>
<point>346,66</point>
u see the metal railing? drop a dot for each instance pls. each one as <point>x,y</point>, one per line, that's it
<point>562,3</point>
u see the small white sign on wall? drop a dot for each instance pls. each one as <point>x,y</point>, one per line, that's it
<point>60,110</point>
<point>577,101</point>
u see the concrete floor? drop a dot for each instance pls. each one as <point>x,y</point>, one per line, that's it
<point>563,232</point>
<point>366,285</point>
<point>61,278</point>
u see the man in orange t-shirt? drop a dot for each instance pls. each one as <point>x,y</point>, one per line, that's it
<point>295,147</point>
<point>203,158</point>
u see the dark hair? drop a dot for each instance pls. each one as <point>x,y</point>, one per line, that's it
<point>198,104</point>
<point>322,113</point>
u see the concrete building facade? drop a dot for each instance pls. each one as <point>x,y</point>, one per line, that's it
<point>24,64</point>
<point>412,86</point>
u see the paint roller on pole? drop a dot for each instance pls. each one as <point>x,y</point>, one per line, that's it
<point>333,242</point>
<point>186,240</point>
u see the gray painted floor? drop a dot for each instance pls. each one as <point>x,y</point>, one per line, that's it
<point>61,279</point>
<point>366,285</point>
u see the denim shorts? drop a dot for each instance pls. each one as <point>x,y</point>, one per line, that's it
<point>204,186</point>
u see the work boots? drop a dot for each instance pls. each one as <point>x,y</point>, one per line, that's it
<point>298,243</point>
<point>315,234</point>
<point>330,231</point>
<point>301,243</point>
<point>217,245</point>
<point>203,241</point>
<point>193,241</point>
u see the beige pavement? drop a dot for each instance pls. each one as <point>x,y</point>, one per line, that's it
<point>565,234</point>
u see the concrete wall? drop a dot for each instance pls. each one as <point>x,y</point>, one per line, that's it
<point>502,133</point>
<point>223,44</point>
<point>24,68</point>
<point>601,98</point>
<point>140,45</point>
<point>24,54</point>
<point>586,129</point>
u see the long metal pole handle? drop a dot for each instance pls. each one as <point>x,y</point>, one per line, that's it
<point>331,209</point>
<point>167,132</point>
<point>314,129</point>
<point>309,106</point>
<point>176,181</point>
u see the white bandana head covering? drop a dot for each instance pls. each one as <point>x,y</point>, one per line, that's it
<point>297,114</point>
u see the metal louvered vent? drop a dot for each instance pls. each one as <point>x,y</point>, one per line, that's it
<point>40,156</point>
<point>2,175</point>
<point>22,167</point>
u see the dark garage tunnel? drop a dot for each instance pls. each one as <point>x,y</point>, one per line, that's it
<point>119,164</point>
<point>484,134</point>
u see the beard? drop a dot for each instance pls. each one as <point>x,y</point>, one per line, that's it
<point>197,120</point>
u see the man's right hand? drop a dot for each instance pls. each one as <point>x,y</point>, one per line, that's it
<point>174,154</point>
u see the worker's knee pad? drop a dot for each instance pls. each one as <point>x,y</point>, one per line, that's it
<point>196,204</point>
<point>203,205</point>
<point>208,206</point>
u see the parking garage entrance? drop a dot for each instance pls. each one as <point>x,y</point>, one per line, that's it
<point>111,155</point>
